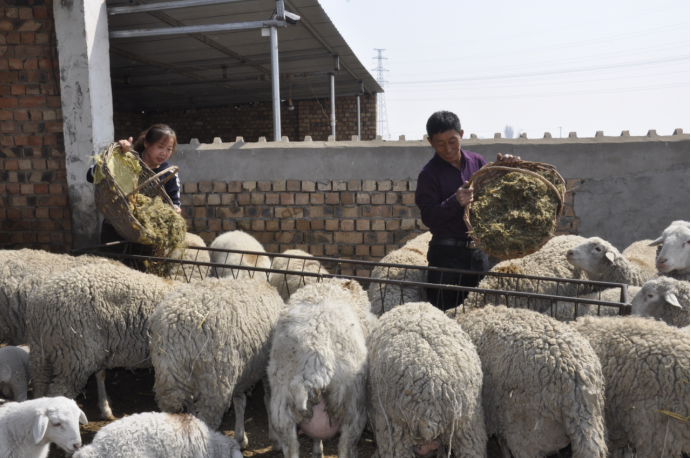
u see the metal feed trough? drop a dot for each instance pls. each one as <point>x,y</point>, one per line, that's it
<point>520,289</point>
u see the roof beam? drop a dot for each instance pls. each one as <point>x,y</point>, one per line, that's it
<point>195,29</point>
<point>164,6</point>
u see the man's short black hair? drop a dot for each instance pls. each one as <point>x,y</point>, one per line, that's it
<point>442,121</point>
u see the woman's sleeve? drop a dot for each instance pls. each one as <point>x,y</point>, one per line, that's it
<point>90,174</point>
<point>172,188</point>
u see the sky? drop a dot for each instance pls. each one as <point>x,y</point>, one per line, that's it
<point>538,66</point>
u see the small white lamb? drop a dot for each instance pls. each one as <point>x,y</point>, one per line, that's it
<point>14,372</point>
<point>27,428</point>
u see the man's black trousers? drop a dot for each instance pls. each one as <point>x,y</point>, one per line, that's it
<point>453,257</point>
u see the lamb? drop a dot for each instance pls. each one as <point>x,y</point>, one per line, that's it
<point>189,272</point>
<point>160,435</point>
<point>603,262</point>
<point>543,385</point>
<point>210,343</point>
<point>564,309</point>
<point>287,285</point>
<point>383,296</point>
<point>673,259</point>
<point>28,428</point>
<point>665,299</point>
<point>318,367</point>
<point>549,261</point>
<point>646,370</point>
<point>642,255</point>
<point>14,372</point>
<point>237,240</point>
<point>88,319</point>
<point>424,385</point>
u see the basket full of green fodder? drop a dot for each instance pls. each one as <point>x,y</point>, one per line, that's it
<point>515,209</point>
<point>132,198</point>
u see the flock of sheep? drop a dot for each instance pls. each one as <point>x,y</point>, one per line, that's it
<point>335,359</point>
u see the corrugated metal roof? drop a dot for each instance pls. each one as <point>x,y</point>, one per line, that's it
<point>181,71</point>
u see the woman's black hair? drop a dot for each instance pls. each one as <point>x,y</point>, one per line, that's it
<point>154,134</point>
<point>442,121</point>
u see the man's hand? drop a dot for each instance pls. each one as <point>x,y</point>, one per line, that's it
<point>464,195</point>
<point>178,210</point>
<point>508,159</point>
<point>125,145</point>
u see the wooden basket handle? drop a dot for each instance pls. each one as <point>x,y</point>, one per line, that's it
<point>173,170</point>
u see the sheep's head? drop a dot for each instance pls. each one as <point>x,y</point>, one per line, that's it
<point>674,254</point>
<point>57,420</point>
<point>593,255</point>
<point>655,294</point>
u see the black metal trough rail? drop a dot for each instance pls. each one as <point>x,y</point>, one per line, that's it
<point>623,306</point>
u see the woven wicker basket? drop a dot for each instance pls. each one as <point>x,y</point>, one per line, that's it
<point>496,170</point>
<point>114,204</point>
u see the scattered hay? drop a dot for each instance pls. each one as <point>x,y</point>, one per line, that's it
<point>513,214</point>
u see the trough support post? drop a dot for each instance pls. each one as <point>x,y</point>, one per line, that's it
<point>81,27</point>
<point>275,88</point>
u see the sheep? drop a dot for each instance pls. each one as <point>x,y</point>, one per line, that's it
<point>318,367</point>
<point>190,272</point>
<point>543,385</point>
<point>88,319</point>
<point>646,368</point>
<point>160,435</point>
<point>642,255</point>
<point>237,240</point>
<point>209,344</point>
<point>549,261</point>
<point>424,385</point>
<point>28,428</point>
<point>673,258</point>
<point>14,372</point>
<point>603,262</point>
<point>564,309</point>
<point>383,296</point>
<point>665,299</point>
<point>287,285</point>
<point>421,242</point>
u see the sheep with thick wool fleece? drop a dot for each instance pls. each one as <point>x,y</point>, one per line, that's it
<point>88,319</point>
<point>564,310</point>
<point>210,342</point>
<point>543,386</point>
<point>288,284</point>
<point>384,296</point>
<point>642,254</point>
<point>665,299</point>
<point>424,385</point>
<point>14,372</point>
<point>646,368</point>
<point>241,241</point>
<point>28,428</point>
<point>673,258</point>
<point>190,272</point>
<point>318,367</point>
<point>160,435</point>
<point>603,262</point>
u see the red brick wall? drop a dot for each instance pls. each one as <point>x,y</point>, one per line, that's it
<point>33,188</point>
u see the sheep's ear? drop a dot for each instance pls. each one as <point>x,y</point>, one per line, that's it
<point>609,255</point>
<point>5,373</point>
<point>82,418</point>
<point>671,299</point>
<point>40,426</point>
<point>657,242</point>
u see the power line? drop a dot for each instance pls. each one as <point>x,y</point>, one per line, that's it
<point>382,119</point>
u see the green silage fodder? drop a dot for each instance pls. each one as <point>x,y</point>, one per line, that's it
<point>514,214</point>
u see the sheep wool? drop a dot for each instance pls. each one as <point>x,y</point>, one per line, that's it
<point>209,343</point>
<point>241,241</point>
<point>424,385</point>
<point>189,272</point>
<point>664,299</point>
<point>160,435</point>
<point>318,367</point>
<point>642,255</point>
<point>288,284</point>
<point>564,311</point>
<point>421,242</point>
<point>14,372</point>
<point>646,369</point>
<point>543,386</point>
<point>385,297</point>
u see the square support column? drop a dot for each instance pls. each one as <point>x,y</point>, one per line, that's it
<point>81,27</point>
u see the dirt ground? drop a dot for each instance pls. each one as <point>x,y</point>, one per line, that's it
<point>132,392</point>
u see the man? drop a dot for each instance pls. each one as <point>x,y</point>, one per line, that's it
<point>442,193</point>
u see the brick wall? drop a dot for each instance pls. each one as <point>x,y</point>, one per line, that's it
<point>33,188</point>
<point>310,117</point>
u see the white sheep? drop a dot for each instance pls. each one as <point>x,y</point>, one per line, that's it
<point>665,299</point>
<point>190,272</point>
<point>160,435</point>
<point>542,383</point>
<point>564,310</point>
<point>603,262</point>
<point>673,259</point>
<point>28,428</point>
<point>318,367</point>
<point>14,372</point>
<point>210,343</point>
<point>238,240</point>
<point>383,296</point>
<point>88,319</point>
<point>421,242</point>
<point>288,284</point>
<point>642,254</point>
<point>646,368</point>
<point>549,261</point>
<point>424,385</point>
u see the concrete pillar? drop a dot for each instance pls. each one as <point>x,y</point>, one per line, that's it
<point>81,27</point>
